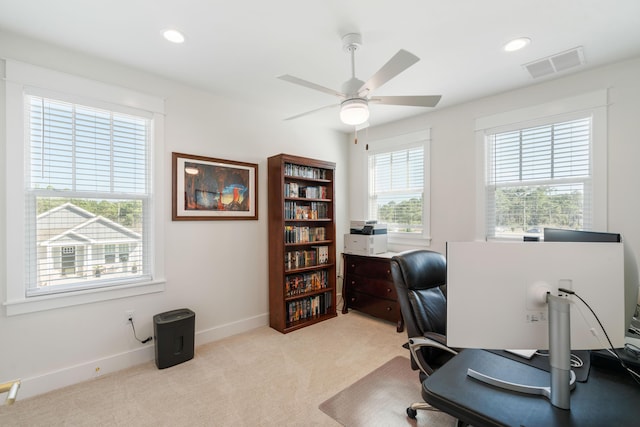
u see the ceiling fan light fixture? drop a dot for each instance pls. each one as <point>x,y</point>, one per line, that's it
<point>354,111</point>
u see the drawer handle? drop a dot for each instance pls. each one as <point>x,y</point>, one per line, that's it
<point>353,282</point>
<point>388,308</point>
<point>389,290</point>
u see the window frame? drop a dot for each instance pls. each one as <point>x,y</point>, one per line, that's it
<point>397,143</point>
<point>24,78</point>
<point>593,105</point>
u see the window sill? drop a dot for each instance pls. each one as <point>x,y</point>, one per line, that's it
<point>50,302</point>
<point>402,243</point>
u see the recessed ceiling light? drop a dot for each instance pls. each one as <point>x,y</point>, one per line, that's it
<point>517,44</point>
<point>174,36</point>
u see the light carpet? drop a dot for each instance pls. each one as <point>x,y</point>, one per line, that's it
<point>381,398</point>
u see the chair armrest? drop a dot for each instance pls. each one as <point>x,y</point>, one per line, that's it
<point>439,338</point>
<point>431,339</point>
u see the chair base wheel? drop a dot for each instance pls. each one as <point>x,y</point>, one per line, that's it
<point>412,413</point>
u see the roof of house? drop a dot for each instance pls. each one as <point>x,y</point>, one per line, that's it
<point>69,224</point>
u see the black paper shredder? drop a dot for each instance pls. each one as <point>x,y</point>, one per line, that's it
<point>174,337</point>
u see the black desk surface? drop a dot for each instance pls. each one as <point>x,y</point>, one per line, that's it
<point>610,397</point>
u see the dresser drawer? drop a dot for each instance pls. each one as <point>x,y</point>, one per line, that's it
<point>377,307</point>
<point>380,288</point>
<point>378,268</point>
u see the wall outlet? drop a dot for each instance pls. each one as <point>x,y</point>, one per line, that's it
<point>129,314</point>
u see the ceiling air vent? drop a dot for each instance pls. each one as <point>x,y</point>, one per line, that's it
<point>555,63</point>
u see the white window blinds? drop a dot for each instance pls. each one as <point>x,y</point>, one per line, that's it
<point>540,177</point>
<point>88,196</point>
<point>396,193</point>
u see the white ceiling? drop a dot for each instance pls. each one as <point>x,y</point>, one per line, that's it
<point>236,48</point>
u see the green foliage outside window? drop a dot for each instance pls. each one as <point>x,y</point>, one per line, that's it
<point>523,208</point>
<point>405,216</point>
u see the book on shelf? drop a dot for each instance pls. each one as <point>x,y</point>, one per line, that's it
<point>302,283</point>
<point>322,254</point>
<point>295,190</point>
<point>317,255</point>
<point>301,234</point>
<point>306,210</point>
<point>291,189</point>
<point>312,192</point>
<point>301,171</point>
<point>305,308</point>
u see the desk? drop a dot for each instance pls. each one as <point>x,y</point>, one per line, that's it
<point>610,397</point>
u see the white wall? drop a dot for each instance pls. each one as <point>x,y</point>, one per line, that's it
<point>453,151</point>
<point>218,269</point>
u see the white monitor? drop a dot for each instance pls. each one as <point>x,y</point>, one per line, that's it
<point>495,293</point>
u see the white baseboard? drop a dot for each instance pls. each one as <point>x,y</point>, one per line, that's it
<point>228,329</point>
<point>64,377</point>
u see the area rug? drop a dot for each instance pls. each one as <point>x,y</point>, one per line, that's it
<point>381,398</point>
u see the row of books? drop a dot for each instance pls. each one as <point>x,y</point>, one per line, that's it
<point>306,258</point>
<point>304,171</point>
<point>309,210</point>
<point>306,308</point>
<point>293,189</point>
<point>296,234</point>
<point>298,284</point>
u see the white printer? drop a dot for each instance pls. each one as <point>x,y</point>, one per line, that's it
<point>367,237</point>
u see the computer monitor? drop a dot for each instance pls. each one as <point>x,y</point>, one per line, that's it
<point>630,270</point>
<point>564,235</point>
<point>522,295</point>
<point>492,289</point>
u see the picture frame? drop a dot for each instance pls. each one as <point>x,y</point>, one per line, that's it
<point>206,188</point>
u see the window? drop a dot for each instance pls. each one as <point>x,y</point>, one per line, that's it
<point>544,174</point>
<point>540,177</point>
<point>87,185</point>
<point>85,208</point>
<point>398,184</point>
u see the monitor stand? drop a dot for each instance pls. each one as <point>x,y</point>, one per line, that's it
<point>563,379</point>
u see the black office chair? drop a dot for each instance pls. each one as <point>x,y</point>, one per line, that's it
<point>420,278</point>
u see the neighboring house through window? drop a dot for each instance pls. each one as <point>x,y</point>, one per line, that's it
<point>75,245</point>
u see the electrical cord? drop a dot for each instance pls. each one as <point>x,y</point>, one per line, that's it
<point>576,361</point>
<point>611,348</point>
<point>133,327</point>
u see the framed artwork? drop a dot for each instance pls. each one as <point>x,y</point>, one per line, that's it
<point>205,188</point>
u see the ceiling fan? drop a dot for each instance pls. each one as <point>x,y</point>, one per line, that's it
<point>356,94</point>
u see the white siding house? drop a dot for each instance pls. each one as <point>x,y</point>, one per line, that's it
<point>75,243</point>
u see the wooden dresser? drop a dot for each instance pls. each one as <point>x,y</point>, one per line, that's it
<point>368,287</point>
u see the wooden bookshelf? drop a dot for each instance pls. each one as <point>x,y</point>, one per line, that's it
<point>302,242</point>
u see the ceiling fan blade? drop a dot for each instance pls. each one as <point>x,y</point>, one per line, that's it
<point>397,64</point>
<point>312,111</point>
<point>412,101</point>
<point>298,81</point>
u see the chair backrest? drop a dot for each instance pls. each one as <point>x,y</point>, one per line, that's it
<point>420,277</point>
